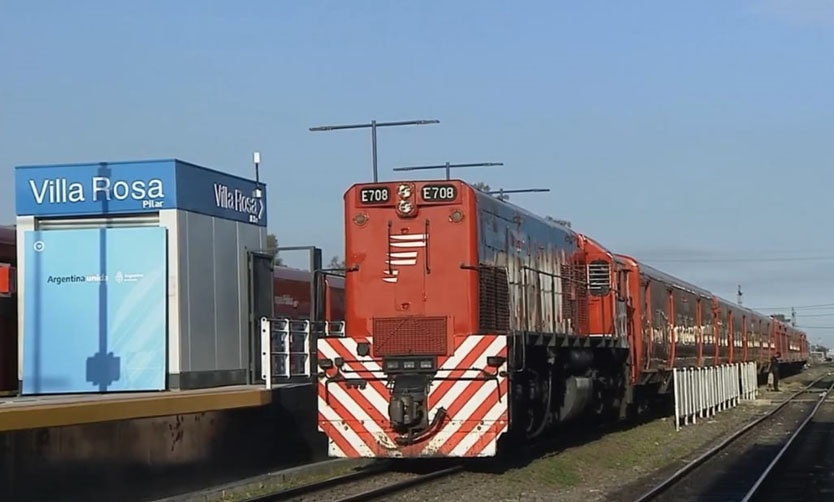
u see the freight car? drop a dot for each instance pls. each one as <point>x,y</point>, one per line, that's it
<point>471,320</point>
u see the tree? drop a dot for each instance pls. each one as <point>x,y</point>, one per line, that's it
<point>561,222</point>
<point>335,262</point>
<point>486,188</point>
<point>272,246</point>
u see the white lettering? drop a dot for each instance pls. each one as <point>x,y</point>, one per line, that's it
<point>369,195</point>
<point>56,191</point>
<point>62,191</point>
<point>155,189</point>
<point>122,190</point>
<point>101,184</point>
<point>38,194</point>
<point>237,200</point>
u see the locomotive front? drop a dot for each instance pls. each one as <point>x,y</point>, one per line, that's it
<point>412,376</point>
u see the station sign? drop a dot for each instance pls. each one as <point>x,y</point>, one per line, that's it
<point>111,188</point>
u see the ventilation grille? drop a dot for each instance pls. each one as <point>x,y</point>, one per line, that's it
<point>599,278</point>
<point>494,300</point>
<point>403,336</point>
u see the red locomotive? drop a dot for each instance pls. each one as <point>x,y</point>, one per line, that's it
<point>469,319</point>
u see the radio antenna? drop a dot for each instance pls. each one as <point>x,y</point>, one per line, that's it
<point>501,192</point>
<point>373,125</point>
<point>448,167</point>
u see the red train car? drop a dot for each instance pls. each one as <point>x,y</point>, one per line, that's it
<point>470,321</point>
<point>8,311</point>
<point>292,291</point>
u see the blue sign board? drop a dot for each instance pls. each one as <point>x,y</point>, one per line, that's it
<point>111,188</point>
<point>95,310</point>
<point>220,195</point>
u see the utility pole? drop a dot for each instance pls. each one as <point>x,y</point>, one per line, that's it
<point>373,125</point>
<point>793,317</point>
<point>448,167</point>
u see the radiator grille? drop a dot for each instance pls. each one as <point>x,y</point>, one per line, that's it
<point>494,314</point>
<point>599,278</point>
<point>400,336</point>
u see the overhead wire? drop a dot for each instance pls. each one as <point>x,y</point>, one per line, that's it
<point>798,307</point>
<point>738,260</point>
<point>788,259</point>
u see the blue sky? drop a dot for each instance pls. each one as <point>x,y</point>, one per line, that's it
<point>692,131</point>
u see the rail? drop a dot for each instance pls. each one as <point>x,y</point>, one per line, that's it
<point>684,471</point>
<point>769,470</point>
<point>287,347</point>
<point>389,489</point>
<point>341,483</point>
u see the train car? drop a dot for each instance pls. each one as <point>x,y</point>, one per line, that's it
<point>8,311</point>
<point>682,325</point>
<point>470,321</point>
<point>292,290</point>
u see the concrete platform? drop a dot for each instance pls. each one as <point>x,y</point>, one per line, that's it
<point>28,412</point>
<point>146,446</point>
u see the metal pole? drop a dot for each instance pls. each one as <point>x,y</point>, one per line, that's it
<point>373,147</point>
<point>448,171</point>
<point>373,125</point>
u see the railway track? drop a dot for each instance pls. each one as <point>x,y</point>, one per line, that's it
<point>743,466</point>
<point>369,484</point>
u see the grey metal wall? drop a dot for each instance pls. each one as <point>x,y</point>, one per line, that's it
<point>213,295</point>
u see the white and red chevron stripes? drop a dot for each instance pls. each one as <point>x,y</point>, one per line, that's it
<point>355,420</point>
<point>402,250</point>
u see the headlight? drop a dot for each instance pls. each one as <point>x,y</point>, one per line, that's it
<point>405,206</point>
<point>404,191</point>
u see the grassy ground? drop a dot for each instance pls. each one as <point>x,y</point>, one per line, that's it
<point>597,468</point>
<point>582,473</point>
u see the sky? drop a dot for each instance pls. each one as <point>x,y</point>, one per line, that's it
<point>696,136</point>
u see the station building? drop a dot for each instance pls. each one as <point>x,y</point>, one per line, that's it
<point>139,289</point>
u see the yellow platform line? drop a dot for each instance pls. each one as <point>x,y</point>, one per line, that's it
<point>31,416</point>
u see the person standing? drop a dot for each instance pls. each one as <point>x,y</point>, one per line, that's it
<point>774,370</point>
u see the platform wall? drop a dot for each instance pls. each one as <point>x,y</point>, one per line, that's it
<point>151,458</point>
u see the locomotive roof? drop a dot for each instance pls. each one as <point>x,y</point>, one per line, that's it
<point>519,209</point>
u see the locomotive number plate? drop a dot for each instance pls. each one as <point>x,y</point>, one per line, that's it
<point>439,193</point>
<point>374,195</point>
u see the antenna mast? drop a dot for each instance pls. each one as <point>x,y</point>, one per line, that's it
<point>448,167</point>
<point>373,125</point>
